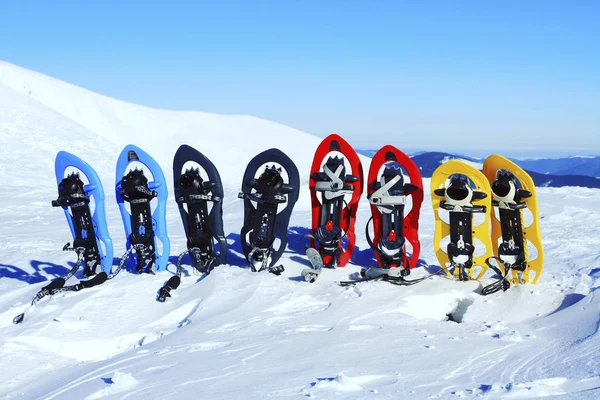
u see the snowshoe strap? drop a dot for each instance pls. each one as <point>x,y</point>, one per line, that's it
<point>509,205</point>
<point>258,254</point>
<point>174,281</point>
<point>96,280</point>
<point>276,269</point>
<point>334,184</point>
<point>329,242</point>
<point>502,283</point>
<point>334,187</point>
<point>258,198</point>
<point>389,272</point>
<point>58,283</point>
<point>71,193</point>
<point>121,262</point>
<point>165,291</point>
<point>392,276</point>
<point>387,254</point>
<point>198,197</point>
<point>381,197</point>
<point>202,261</point>
<point>140,194</point>
<point>469,208</point>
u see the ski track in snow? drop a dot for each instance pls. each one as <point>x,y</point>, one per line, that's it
<point>237,334</point>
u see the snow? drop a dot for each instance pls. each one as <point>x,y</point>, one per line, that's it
<point>242,335</point>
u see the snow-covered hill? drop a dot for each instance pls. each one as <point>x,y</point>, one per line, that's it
<point>241,335</point>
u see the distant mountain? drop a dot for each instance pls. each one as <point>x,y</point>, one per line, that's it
<point>367,153</point>
<point>589,166</point>
<point>547,180</point>
<point>429,161</point>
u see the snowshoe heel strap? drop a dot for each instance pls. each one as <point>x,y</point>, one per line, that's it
<point>454,250</point>
<point>95,281</point>
<point>172,284</point>
<point>55,284</point>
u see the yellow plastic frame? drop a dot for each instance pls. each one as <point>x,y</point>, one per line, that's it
<point>442,229</point>
<point>532,232</point>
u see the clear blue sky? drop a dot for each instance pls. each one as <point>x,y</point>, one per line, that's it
<point>446,75</point>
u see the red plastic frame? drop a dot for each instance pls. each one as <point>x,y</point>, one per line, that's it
<point>331,143</point>
<point>411,220</point>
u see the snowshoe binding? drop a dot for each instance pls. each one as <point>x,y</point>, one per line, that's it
<point>387,194</point>
<point>144,228</point>
<point>264,219</point>
<point>513,192</point>
<point>200,203</point>
<point>333,218</point>
<point>452,191</point>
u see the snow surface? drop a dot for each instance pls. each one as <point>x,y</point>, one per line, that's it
<point>242,335</point>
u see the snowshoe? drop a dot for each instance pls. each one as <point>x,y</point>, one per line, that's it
<point>263,191</point>
<point>333,218</point>
<point>451,190</point>
<point>91,241</point>
<point>513,191</point>
<point>89,230</point>
<point>200,203</point>
<point>387,194</point>
<point>146,231</point>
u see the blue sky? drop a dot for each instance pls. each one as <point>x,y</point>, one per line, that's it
<point>445,75</point>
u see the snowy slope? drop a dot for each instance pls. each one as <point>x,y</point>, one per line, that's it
<point>240,335</point>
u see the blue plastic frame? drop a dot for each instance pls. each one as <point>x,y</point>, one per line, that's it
<point>159,216</point>
<point>95,190</point>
